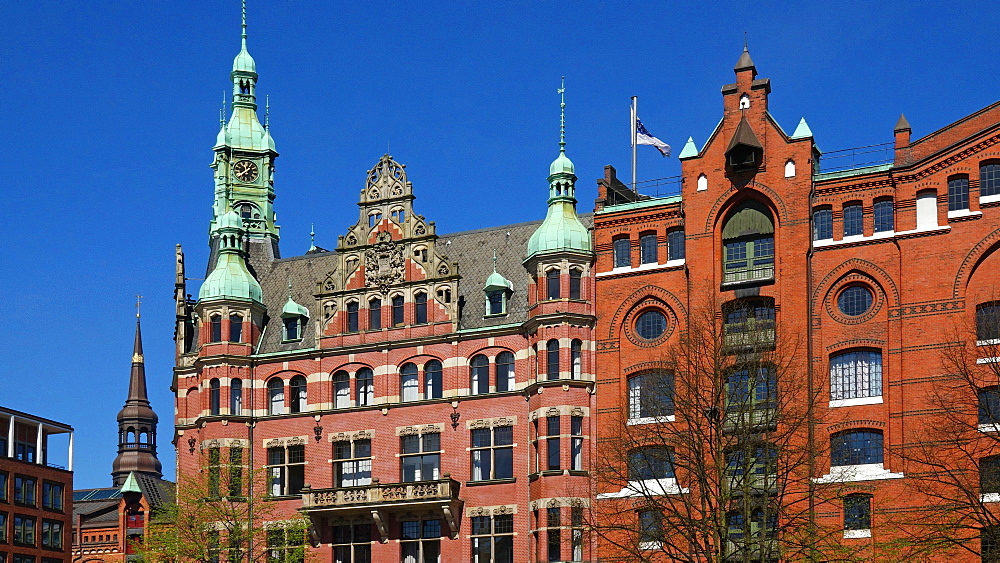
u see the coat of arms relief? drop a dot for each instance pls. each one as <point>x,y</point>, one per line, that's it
<point>384,264</point>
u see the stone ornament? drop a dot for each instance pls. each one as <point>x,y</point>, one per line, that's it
<point>383,263</point>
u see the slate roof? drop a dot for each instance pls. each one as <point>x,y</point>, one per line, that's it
<point>473,250</point>
<point>99,506</point>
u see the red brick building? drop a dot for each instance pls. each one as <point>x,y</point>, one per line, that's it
<point>421,397</point>
<point>868,280</point>
<point>35,494</point>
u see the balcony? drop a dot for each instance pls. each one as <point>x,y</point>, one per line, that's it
<point>751,484</point>
<point>748,336</point>
<point>752,420</point>
<point>377,498</point>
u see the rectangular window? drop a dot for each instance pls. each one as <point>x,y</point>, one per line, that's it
<point>748,260</point>
<point>24,530</point>
<point>552,284</point>
<point>574,283</point>
<point>286,545</point>
<point>552,432</point>
<point>3,527</point>
<point>291,325</point>
<point>52,495</point>
<point>286,469</point>
<point>856,447</point>
<point>989,538</point>
<point>622,253</point>
<point>822,223</point>
<point>214,471</point>
<point>24,490</point>
<point>215,322</point>
<point>352,543</point>
<point>650,527</point>
<point>235,328</point>
<point>857,512</point>
<point>749,323</point>
<point>52,534</point>
<point>492,453</point>
<point>353,465</point>
<point>856,374</point>
<point>989,179</point>
<point>375,314</point>
<point>650,463</point>
<point>648,249</point>
<point>235,472</point>
<point>553,522</point>
<point>651,395</point>
<point>576,520</point>
<point>958,194</point>
<point>18,558</point>
<point>3,485</point>
<point>988,322</point>
<point>885,216</point>
<point>853,220</point>
<point>675,244</point>
<point>352,317</point>
<point>927,212</point>
<point>493,539</point>
<point>751,388</point>
<point>576,443</point>
<point>420,457</point>
<point>420,308</point>
<point>397,311</point>
<point>420,541</point>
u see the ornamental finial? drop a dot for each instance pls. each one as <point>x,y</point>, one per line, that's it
<point>494,260</point>
<point>562,115</point>
<point>267,111</point>
<point>222,111</point>
<point>138,304</point>
<point>312,236</point>
<point>244,35</point>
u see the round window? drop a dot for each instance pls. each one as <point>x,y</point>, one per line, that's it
<point>855,300</point>
<point>651,325</point>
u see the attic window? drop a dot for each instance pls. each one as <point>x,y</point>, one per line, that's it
<point>292,329</point>
<point>496,303</point>
<point>744,101</point>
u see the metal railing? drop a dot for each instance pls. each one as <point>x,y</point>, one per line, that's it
<point>857,157</point>
<point>659,187</point>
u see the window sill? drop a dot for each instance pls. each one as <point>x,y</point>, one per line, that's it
<point>579,472</point>
<point>857,401</point>
<point>989,497</point>
<point>852,473</point>
<point>651,420</point>
<point>289,341</point>
<point>993,360</point>
<point>964,214</point>
<point>649,545</point>
<point>857,534</point>
<point>647,488</point>
<point>990,342</point>
<point>495,316</point>
<point>989,427</point>
<point>550,472</point>
<point>989,199</point>
<point>490,482</point>
<point>750,282</point>
<point>642,268</point>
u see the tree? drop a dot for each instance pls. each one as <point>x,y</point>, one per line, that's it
<point>954,462</point>
<point>223,513</point>
<point>713,458</point>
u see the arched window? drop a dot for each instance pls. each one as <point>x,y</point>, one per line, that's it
<point>884,215</point>
<point>790,169</point>
<point>420,308</point>
<point>236,397</point>
<point>988,323</point>
<point>375,314</point>
<point>214,392</point>
<point>622,252</point>
<point>479,371</point>
<point>352,316</point>
<point>297,387</point>
<point>398,215</point>
<point>504,368</point>
<point>276,396</point>
<point>856,374</point>
<point>552,359</point>
<point>341,390</point>
<point>374,218</point>
<point>702,182</point>
<point>432,380</point>
<point>648,249</point>
<point>823,223</point>
<point>675,244</point>
<point>576,359</point>
<point>654,462</point>
<point>853,219</point>
<point>745,101</point>
<point>552,284</point>
<point>409,383</point>
<point>575,276</point>
<point>235,328</point>
<point>748,244</point>
<point>397,310</point>
<point>215,332</point>
<point>650,396</point>
<point>365,382</point>
<point>856,447</point>
<point>958,193</point>
<point>989,179</point>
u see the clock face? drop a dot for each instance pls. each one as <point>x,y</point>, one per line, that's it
<point>245,171</point>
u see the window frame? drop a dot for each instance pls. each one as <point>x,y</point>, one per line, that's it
<point>215,328</point>
<point>420,308</point>
<point>863,451</point>
<point>852,377</point>
<point>286,472</point>
<point>236,397</point>
<point>275,396</point>
<point>853,219</point>
<point>341,389</point>
<point>884,211</point>
<point>651,463</point>
<point>433,379</point>
<point>988,323</point>
<point>298,389</point>
<point>479,375</point>
<point>552,283</point>
<point>354,458</point>
<point>621,251</point>
<point>989,179</point>
<point>491,453</point>
<point>575,283</point>
<point>648,248</point>
<point>375,313</point>
<point>424,455</point>
<point>858,511</point>
<point>651,396</point>
<point>552,367</point>
<point>505,377</point>
<point>364,387</point>
<point>409,382</point>
<point>214,396</point>
<point>676,243</point>
<point>492,538</point>
<point>353,314</point>
<point>398,305</point>
<point>822,219</point>
<point>958,193</point>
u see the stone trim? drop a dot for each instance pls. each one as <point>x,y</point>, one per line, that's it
<point>224,443</point>
<point>559,410</point>
<point>351,436</point>
<point>418,429</point>
<point>491,422</point>
<point>557,502</point>
<point>287,441</point>
<point>500,510</point>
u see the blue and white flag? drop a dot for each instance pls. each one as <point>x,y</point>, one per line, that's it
<point>644,137</point>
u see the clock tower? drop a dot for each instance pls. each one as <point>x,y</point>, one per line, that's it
<point>244,159</point>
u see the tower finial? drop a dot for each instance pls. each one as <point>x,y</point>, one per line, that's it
<point>562,115</point>
<point>244,35</point>
<point>745,41</point>
<point>289,278</point>
<point>267,111</point>
<point>138,304</point>
<point>494,260</point>
<point>222,111</point>
<point>312,236</point>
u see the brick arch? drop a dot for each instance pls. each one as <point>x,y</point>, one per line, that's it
<point>856,343</point>
<point>856,425</point>
<point>975,256</point>
<point>733,197</point>
<point>493,351</point>
<point>864,267</point>
<point>638,296</point>
<point>345,367</point>
<point>418,359</point>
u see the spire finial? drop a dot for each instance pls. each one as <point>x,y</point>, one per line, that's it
<point>289,278</point>
<point>222,111</point>
<point>267,111</point>
<point>244,35</point>
<point>494,260</point>
<point>312,236</point>
<point>745,41</point>
<point>138,304</point>
<point>562,115</point>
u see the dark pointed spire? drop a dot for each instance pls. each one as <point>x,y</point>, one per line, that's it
<point>902,124</point>
<point>136,422</point>
<point>745,61</point>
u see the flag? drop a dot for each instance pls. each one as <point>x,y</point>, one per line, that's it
<point>644,137</point>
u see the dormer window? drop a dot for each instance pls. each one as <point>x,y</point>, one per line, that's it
<point>496,303</point>
<point>745,101</point>
<point>292,329</point>
<point>745,152</point>
<point>293,320</point>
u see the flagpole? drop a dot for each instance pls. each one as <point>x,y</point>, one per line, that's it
<point>635,113</point>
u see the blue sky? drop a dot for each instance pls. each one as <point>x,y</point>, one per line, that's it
<point>110,110</point>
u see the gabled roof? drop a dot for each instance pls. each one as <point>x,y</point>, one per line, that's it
<point>744,135</point>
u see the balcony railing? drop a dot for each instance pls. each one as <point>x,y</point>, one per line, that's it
<point>382,494</point>
<point>749,335</point>
<point>760,417</point>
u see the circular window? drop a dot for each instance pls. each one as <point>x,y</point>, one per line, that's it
<point>855,300</point>
<point>651,325</point>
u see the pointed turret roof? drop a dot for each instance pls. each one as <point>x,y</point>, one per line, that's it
<point>902,124</point>
<point>689,149</point>
<point>802,130</point>
<point>744,61</point>
<point>136,423</point>
<point>137,403</point>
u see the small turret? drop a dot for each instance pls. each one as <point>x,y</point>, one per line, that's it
<point>230,279</point>
<point>136,423</point>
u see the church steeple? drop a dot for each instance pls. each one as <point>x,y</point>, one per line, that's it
<point>562,229</point>
<point>136,423</point>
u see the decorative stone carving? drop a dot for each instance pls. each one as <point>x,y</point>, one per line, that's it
<point>383,263</point>
<point>352,240</point>
<point>443,269</point>
<point>503,421</point>
<point>420,230</point>
<point>503,510</point>
<point>576,411</point>
<point>328,283</point>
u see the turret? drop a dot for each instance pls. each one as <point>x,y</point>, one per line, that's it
<point>136,424</point>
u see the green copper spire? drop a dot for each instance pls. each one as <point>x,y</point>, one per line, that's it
<point>291,308</point>
<point>562,229</point>
<point>802,130</point>
<point>496,281</point>
<point>131,485</point>
<point>689,149</point>
<point>230,279</point>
